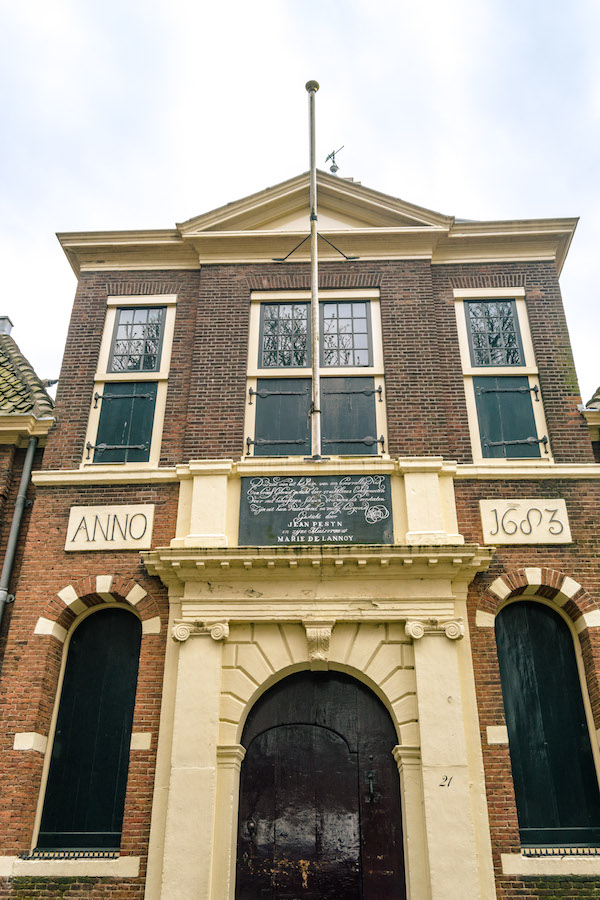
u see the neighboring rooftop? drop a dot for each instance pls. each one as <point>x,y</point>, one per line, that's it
<point>21,391</point>
<point>594,403</point>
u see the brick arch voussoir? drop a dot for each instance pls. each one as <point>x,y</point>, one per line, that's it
<point>84,593</point>
<point>553,585</point>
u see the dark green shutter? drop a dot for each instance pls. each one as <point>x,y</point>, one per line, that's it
<point>85,794</point>
<point>348,422</point>
<point>556,786</point>
<point>126,419</point>
<point>505,414</point>
<point>282,417</point>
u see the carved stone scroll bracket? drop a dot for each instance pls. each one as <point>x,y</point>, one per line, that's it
<point>453,629</point>
<point>218,631</point>
<point>318,636</point>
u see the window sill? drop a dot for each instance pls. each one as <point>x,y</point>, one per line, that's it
<point>122,867</point>
<point>569,864</point>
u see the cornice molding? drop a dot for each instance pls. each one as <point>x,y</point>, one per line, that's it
<point>17,429</point>
<point>378,227</point>
<point>104,475</point>
<point>359,562</point>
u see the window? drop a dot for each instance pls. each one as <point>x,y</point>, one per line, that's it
<point>285,335</point>
<point>137,341</point>
<point>131,382</point>
<point>87,777</point>
<point>345,334</point>
<point>280,384</point>
<point>506,416</point>
<point>494,338</point>
<point>555,779</point>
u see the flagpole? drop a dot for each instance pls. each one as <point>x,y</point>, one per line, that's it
<point>312,87</point>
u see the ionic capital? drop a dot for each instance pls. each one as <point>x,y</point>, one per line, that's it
<point>218,631</point>
<point>453,629</point>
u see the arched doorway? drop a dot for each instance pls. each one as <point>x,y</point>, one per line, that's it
<point>319,812</point>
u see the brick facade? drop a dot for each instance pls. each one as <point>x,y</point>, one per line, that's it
<point>204,420</point>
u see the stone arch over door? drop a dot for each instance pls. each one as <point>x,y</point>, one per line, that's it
<point>319,811</point>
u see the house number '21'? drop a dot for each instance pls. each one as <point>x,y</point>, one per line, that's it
<point>508,523</point>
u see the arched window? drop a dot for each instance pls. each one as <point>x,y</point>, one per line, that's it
<point>85,793</point>
<point>555,780</point>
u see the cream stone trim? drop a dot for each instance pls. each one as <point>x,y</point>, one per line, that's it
<point>534,580</point>
<point>30,740</point>
<point>484,619</point>
<point>533,577</point>
<point>500,588</point>
<point>122,867</point>
<point>142,300</point>
<point>509,293</point>
<point>497,734</point>
<point>324,294</point>
<point>518,864</point>
<point>70,598</point>
<point>519,469</point>
<point>142,474</point>
<point>140,740</point>
<point>103,587</point>
<point>137,474</point>
<point>151,626</point>
<point>47,626</point>
<point>588,620</point>
<point>409,762</point>
<point>136,594</point>
<point>569,588</point>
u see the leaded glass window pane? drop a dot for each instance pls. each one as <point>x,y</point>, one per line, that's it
<point>284,338</point>
<point>494,336</point>
<point>346,334</point>
<point>138,339</point>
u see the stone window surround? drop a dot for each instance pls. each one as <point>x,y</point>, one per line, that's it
<point>104,377</point>
<point>470,371</point>
<point>376,369</point>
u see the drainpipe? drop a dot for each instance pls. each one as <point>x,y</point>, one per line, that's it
<point>11,547</point>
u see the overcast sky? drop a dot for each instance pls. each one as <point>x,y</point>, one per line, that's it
<point>144,113</point>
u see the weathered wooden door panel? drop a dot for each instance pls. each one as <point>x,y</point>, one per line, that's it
<point>319,809</point>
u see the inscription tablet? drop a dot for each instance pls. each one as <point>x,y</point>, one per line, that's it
<point>320,509</point>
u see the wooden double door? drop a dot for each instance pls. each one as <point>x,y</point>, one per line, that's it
<point>319,815</point>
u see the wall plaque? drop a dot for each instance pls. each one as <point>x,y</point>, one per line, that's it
<point>525,522</point>
<point>110,527</point>
<point>320,509</point>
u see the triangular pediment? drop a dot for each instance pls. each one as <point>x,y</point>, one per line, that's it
<point>343,205</point>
